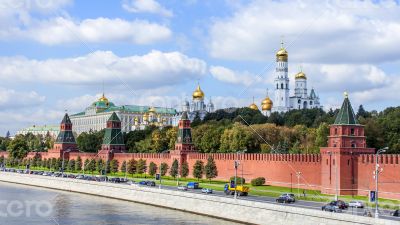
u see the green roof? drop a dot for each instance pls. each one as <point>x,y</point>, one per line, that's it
<point>184,116</point>
<point>43,128</point>
<point>113,137</point>
<point>65,137</point>
<point>114,117</point>
<point>346,114</point>
<point>132,109</point>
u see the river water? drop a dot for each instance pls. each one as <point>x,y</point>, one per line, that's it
<point>22,205</point>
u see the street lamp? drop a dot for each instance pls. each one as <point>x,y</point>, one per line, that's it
<point>376,178</point>
<point>62,167</point>
<point>108,159</point>
<point>298,174</point>
<point>237,163</point>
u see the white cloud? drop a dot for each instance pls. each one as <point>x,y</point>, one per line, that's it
<point>233,77</point>
<point>10,98</point>
<point>333,32</point>
<point>62,30</point>
<point>146,6</point>
<point>155,69</point>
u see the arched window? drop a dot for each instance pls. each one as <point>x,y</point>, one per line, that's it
<point>352,131</point>
<point>353,145</point>
<point>282,86</point>
<point>335,131</point>
<point>287,87</point>
<point>277,86</point>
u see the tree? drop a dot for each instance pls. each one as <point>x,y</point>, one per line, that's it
<point>362,112</point>
<point>86,165</point>
<point>78,164</point>
<point>322,135</point>
<point>174,169</point>
<point>131,167</point>
<point>198,169</point>
<point>184,172</point>
<point>114,164</point>
<point>152,169</point>
<point>99,166</point>
<point>18,148</point>
<point>164,168</point>
<point>71,165</point>
<point>211,169</point>
<point>1,160</point>
<point>141,166</point>
<point>91,166</point>
<point>90,142</point>
<point>124,167</point>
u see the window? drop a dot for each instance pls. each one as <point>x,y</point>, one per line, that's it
<point>287,87</point>
<point>352,131</point>
<point>335,131</point>
<point>333,161</point>
<point>348,162</point>
<point>326,161</point>
<point>353,145</point>
<point>282,86</point>
<point>277,86</point>
<point>310,102</point>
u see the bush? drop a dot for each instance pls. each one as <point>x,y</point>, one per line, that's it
<point>258,181</point>
<point>239,180</point>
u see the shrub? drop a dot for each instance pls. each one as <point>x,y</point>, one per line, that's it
<point>258,181</point>
<point>239,180</point>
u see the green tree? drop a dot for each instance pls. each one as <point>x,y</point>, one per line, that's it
<point>124,167</point>
<point>91,166</point>
<point>152,169</point>
<point>71,165</point>
<point>86,165</point>
<point>131,167</point>
<point>18,148</point>
<point>322,135</point>
<point>99,166</point>
<point>184,172</point>
<point>141,166</point>
<point>114,164</point>
<point>211,169</point>
<point>171,135</point>
<point>78,164</point>
<point>164,169</point>
<point>198,169</point>
<point>90,142</point>
<point>174,169</point>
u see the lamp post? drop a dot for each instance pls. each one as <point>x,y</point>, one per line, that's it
<point>291,186</point>
<point>108,159</point>
<point>62,166</point>
<point>376,179</point>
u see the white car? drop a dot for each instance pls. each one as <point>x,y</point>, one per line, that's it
<point>356,204</point>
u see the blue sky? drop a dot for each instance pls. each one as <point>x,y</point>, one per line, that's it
<point>55,55</point>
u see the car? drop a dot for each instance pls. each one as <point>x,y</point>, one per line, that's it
<point>151,183</point>
<point>80,177</point>
<point>356,204</point>
<point>193,185</point>
<point>339,203</point>
<point>207,190</point>
<point>289,195</point>
<point>143,182</point>
<point>284,198</point>
<point>130,182</point>
<point>182,188</point>
<point>331,208</point>
<point>123,180</point>
<point>114,180</point>
<point>395,213</point>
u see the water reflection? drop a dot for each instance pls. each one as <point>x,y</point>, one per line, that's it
<point>72,208</point>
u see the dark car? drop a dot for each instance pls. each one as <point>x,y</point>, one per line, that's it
<point>151,183</point>
<point>331,208</point>
<point>114,180</point>
<point>285,199</point>
<point>395,213</point>
<point>143,182</point>
<point>339,203</point>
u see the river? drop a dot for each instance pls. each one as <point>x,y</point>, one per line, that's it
<point>22,205</point>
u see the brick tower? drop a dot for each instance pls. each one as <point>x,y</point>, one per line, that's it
<point>65,141</point>
<point>113,141</point>
<point>183,144</point>
<point>338,161</point>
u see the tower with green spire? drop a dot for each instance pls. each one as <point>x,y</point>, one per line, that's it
<point>65,141</point>
<point>338,160</point>
<point>113,140</point>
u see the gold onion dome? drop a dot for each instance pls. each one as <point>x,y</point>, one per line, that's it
<point>253,106</point>
<point>198,93</point>
<point>152,110</point>
<point>145,117</point>
<point>266,104</point>
<point>300,75</point>
<point>282,54</point>
<point>103,98</point>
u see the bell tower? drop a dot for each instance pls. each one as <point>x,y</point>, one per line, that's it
<point>346,142</point>
<point>281,103</point>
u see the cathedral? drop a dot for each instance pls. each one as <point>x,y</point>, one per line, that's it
<point>196,107</point>
<point>283,102</point>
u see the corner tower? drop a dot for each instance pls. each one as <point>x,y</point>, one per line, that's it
<point>281,103</point>
<point>184,143</point>
<point>113,141</point>
<point>345,142</point>
<point>65,141</point>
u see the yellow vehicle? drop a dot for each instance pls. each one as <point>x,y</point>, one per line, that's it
<point>241,190</point>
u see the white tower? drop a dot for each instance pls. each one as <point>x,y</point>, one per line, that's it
<point>281,103</point>
<point>300,90</point>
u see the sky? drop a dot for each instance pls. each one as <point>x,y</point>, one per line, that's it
<point>55,55</point>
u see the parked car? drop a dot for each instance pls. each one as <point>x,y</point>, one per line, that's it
<point>193,185</point>
<point>143,182</point>
<point>395,213</point>
<point>182,188</point>
<point>339,203</point>
<point>80,177</point>
<point>207,190</point>
<point>130,182</point>
<point>151,183</point>
<point>114,180</point>
<point>331,208</point>
<point>285,198</point>
<point>356,204</point>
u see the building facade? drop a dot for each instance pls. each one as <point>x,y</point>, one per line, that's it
<point>283,100</point>
<point>51,130</point>
<point>133,117</point>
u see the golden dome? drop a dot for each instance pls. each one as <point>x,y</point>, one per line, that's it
<point>152,110</point>
<point>282,54</point>
<point>301,75</point>
<point>136,119</point>
<point>253,107</point>
<point>198,93</point>
<point>266,104</point>
<point>103,98</point>
<point>145,117</point>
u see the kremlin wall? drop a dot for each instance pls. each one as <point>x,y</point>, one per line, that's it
<point>345,165</point>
